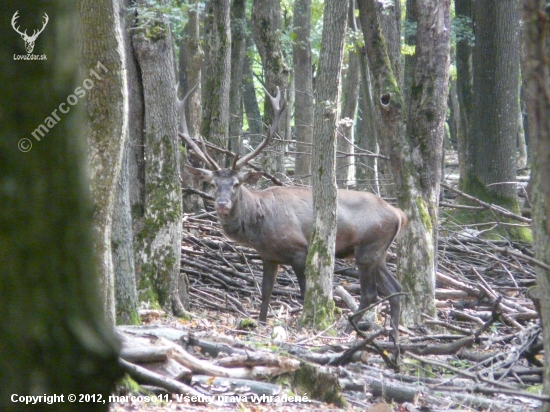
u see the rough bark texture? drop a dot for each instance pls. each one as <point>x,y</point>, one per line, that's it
<point>491,155</point>
<point>54,336</point>
<point>215,94</point>
<point>416,246</point>
<point>303,79</point>
<point>428,105</point>
<point>107,106</point>
<point>536,74</point>
<point>122,238</point>
<point>267,30</point>
<point>238,50</point>
<point>318,302</point>
<point>464,83</point>
<point>161,234</point>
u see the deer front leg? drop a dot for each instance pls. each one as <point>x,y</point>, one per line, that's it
<point>270,274</point>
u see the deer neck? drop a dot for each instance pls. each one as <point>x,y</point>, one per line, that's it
<point>244,222</point>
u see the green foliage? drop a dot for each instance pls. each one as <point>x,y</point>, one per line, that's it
<point>153,13</point>
<point>462,30</point>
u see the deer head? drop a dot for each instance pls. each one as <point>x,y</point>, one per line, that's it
<point>227,181</point>
<point>29,40</point>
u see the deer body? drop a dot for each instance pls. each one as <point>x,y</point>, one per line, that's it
<point>278,222</point>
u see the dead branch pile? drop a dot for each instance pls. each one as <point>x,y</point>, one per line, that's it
<point>485,340</point>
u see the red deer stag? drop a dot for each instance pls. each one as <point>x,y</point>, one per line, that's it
<point>277,222</point>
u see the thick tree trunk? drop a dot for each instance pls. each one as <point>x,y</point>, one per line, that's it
<point>303,79</point>
<point>215,94</point>
<point>318,302</point>
<point>493,127</point>
<point>54,339</point>
<point>238,50</point>
<point>107,107</point>
<point>416,246</point>
<point>161,235</point>
<point>267,30</point>
<point>536,74</point>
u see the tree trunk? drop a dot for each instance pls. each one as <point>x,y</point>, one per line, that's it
<point>345,139</point>
<point>303,78</point>
<point>238,50</point>
<point>215,95</point>
<point>318,302</point>
<point>267,30</point>
<point>464,82</point>
<point>191,58</point>
<point>122,238</point>
<point>107,107</point>
<point>426,121</point>
<point>536,75</point>
<point>54,339</point>
<point>493,127</point>
<point>366,168</point>
<point>161,235</point>
<point>416,246</point>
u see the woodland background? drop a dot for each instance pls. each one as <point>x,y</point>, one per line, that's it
<point>401,85</point>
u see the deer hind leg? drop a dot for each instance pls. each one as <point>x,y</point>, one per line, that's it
<point>270,274</point>
<point>299,269</point>
<point>387,284</point>
<point>366,264</point>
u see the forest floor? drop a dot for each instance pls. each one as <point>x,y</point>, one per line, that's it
<point>482,351</point>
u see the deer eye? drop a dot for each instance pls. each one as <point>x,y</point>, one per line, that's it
<point>236,185</point>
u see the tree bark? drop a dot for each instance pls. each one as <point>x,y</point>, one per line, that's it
<point>107,108</point>
<point>238,50</point>
<point>493,128</point>
<point>267,29</point>
<point>54,339</point>
<point>303,78</point>
<point>215,97</point>
<point>427,113</point>
<point>536,75</point>
<point>318,302</point>
<point>161,234</point>
<point>122,238</point>
<point>417,244</point>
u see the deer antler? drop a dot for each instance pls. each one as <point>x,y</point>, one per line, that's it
<point>202,154</point>
<point>13,22</point>
<point>277,110</point>
<point>24,34</point>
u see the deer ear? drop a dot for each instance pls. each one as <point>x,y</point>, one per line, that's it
<point>250,177</point>
<point>202,174</point>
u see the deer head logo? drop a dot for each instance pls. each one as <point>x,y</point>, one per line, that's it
<point>29,40</point>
